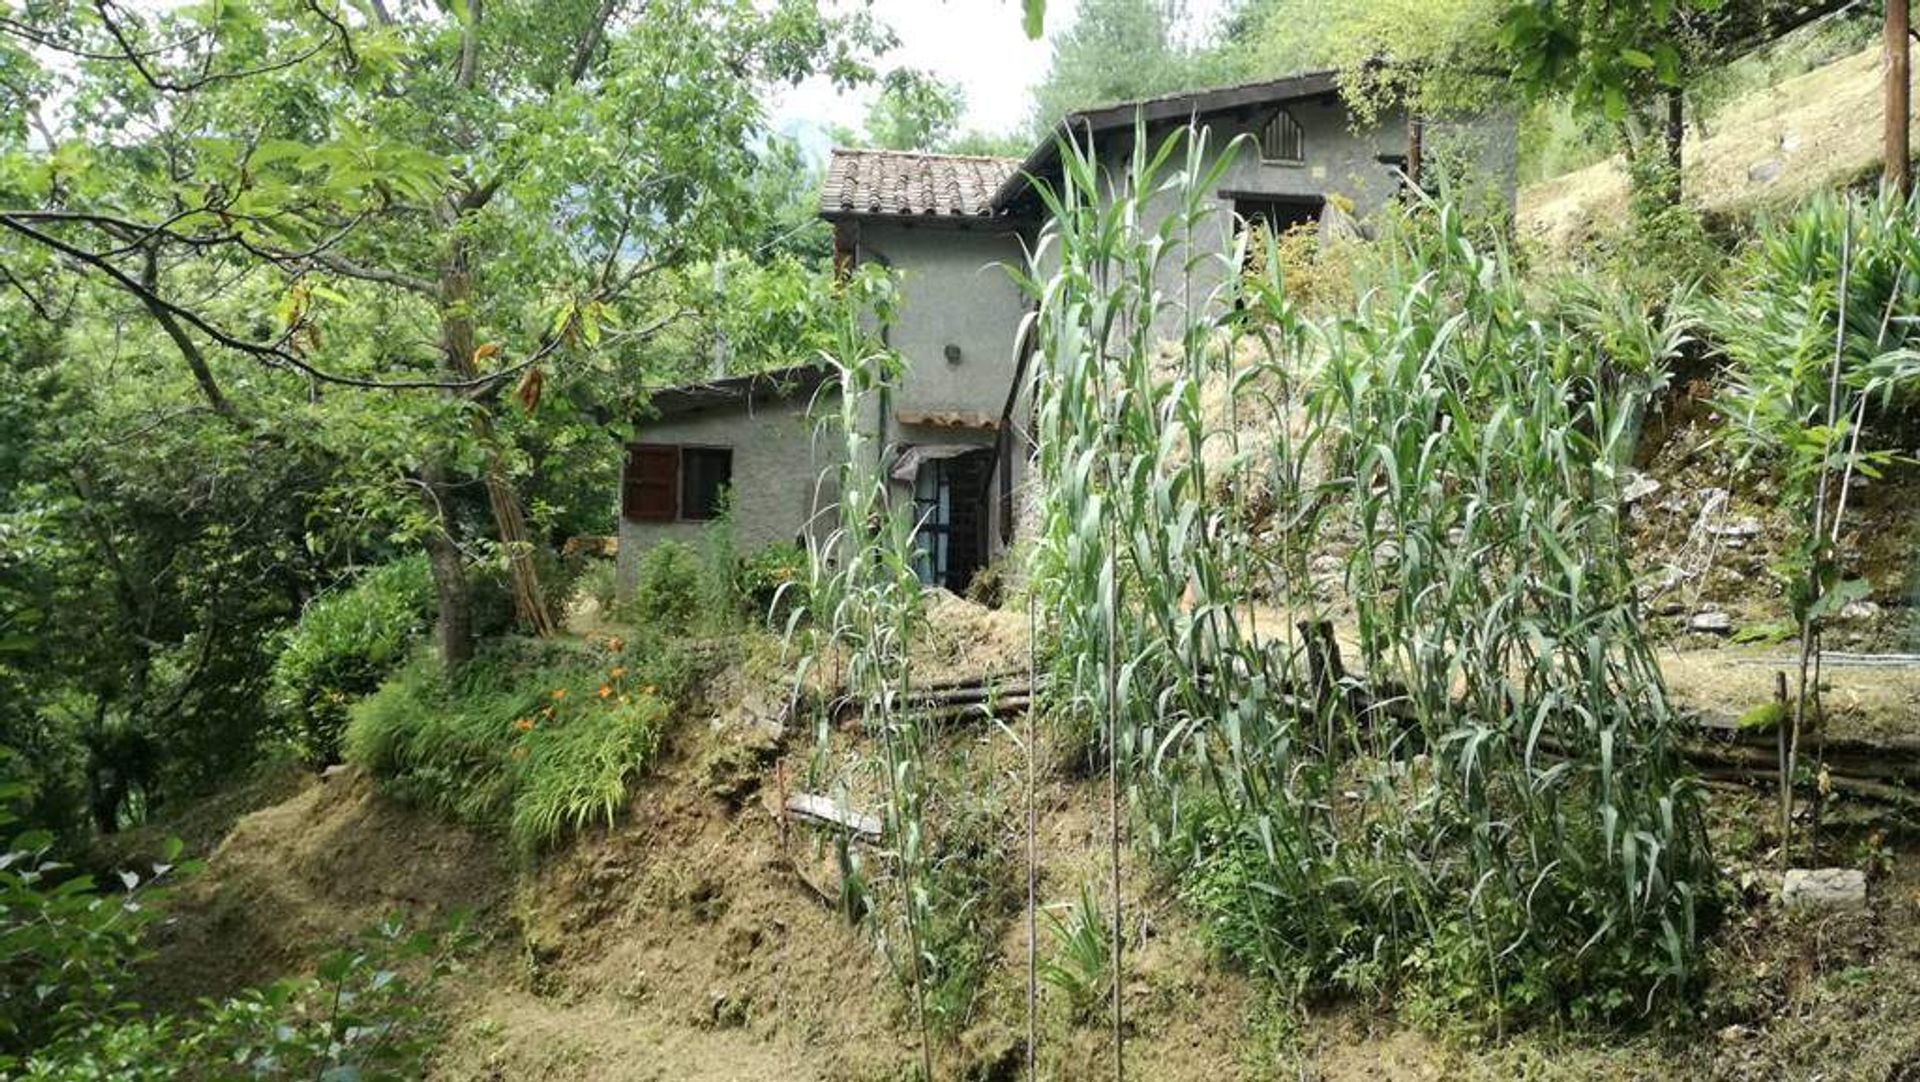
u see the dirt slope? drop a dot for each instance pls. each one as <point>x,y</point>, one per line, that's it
<point>300,877</point>
<point>1809,132</point>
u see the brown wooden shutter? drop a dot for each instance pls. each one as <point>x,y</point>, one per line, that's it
<point>650,488</point>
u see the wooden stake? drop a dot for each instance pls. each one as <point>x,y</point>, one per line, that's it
<point>1899,169</point>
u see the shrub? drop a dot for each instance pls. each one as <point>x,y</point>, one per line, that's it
<point>536,738</point>
<point>668,592</point>
<point>365,1013</point>
<point>65,947</point>
<point>346,642</point>
<point>598,581</point>
<point>770,577</point>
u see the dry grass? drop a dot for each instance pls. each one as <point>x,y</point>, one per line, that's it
<point>1807,133</point>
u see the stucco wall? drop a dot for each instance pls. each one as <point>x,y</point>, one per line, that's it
<point>777,461</point>
<point>954,290</point>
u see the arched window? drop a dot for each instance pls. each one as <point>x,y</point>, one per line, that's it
<point>1281,140</point>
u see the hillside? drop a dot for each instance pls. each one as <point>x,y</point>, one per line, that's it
<point>1773,146</point>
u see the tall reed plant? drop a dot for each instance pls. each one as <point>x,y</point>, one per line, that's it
<point>1492,806</point>
<point>863,612</point>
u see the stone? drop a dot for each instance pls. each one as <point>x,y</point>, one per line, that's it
<point>1746,527</point>
<point>1766,172</point>
<point>1711,623</point>
<point>1859,610</point>
<point>1639,487</point>
<point>1824,888</point>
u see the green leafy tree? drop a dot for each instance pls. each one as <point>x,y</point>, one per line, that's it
<point>485,206</point>
<point>1117,50</point>
<point>914,111</point>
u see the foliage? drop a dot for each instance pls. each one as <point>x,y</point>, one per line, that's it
<point>1778,329</point>
<point>667,593</point>
<point>538,739</point>
<point>1510,826</point>
<point>346,642</point>
<point>291,292</point>
<point>1118,50</point>
<point>971,892</point>
<point>770,578</point>
<point>915,111</point>
<point>1822,329</point>
<point>862,612</point>
<point>367,1012</point>
<point>66,946</point>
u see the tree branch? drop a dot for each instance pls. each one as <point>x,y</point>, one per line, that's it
<point>274,353</point>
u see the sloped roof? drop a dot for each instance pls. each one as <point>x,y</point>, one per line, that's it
<point>1166,107</point>
<point>897,183</point>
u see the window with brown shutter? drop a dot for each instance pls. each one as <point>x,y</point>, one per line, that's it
<point>650,489</point>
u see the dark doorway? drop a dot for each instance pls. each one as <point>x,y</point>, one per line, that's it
<point>951,507</point>
<point>1277,214</point>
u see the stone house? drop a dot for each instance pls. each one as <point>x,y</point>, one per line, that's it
<point>948,225</point>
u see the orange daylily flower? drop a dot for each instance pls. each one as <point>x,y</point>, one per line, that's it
<point>617,671</point>
<point>524,725</point>
<point>559,693</point>
<point>519,751</point>
<point>606,692</point>
<point>649,689</point>
<point>616,644</point>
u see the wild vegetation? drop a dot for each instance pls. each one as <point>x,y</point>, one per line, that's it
<point>321,327</point>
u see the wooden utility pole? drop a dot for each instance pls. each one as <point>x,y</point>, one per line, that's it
<point>1899,167</point>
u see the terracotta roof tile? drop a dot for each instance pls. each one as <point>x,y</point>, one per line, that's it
<point>892,182</point>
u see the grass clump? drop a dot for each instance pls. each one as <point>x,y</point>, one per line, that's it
<point>672,579</point>
<point>535,738</point>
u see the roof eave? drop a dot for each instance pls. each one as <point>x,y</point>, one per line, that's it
<point>996,220</point>
<point>1155,110</point>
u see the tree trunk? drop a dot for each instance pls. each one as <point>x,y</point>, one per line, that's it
<point>1676,136</point>
<point>1416,148</point>
<point>509,519</point>
<point>453,631</point>
<point>1899,167</point>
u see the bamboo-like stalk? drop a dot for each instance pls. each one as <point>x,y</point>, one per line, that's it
<point>1817,543</point>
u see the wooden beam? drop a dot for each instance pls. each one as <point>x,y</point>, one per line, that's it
<point>828,812</point>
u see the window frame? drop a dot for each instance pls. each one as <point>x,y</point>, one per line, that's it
<point>680,478</point>
<point>1299,138</point>
<point>670,487</point>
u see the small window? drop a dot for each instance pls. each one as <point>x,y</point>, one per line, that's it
<point>705,475</point>
<point>1282,140</point>
<point>664,482</point>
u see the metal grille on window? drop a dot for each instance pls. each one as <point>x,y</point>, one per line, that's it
<point>1282,140</point>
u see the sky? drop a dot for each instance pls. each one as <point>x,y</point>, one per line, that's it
<point>979,44</point>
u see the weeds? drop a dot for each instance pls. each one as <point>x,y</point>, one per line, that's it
<point>1079,967</point>
<point>862,613</point>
